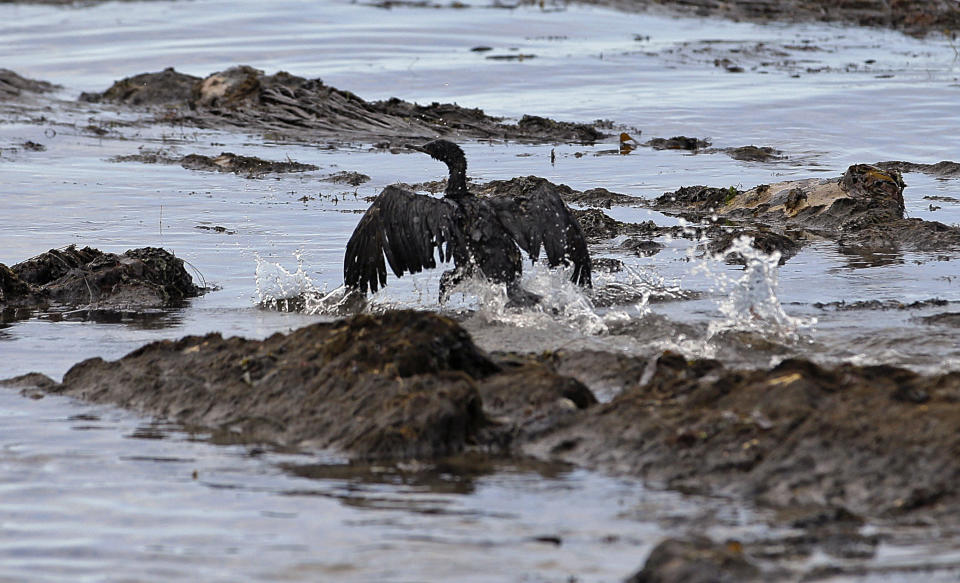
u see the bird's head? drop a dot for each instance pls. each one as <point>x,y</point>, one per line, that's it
<point>443,150</point>
<point>451,155</point>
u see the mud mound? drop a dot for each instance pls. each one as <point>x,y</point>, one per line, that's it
<point>244,165</point>
<point>754,153</point>
<point>822,445</point>
<point>401,385</point>
<point>13,85</point>
<point>912,16</point>
<point>306,108</point>
<point>521,185</point>
<point>248,166</point>
<point>165,87</point>
<point>677,143</point>
<point>347,177</point>
<point>139,278</point>
<point>876,441</point>
<point>863,209</point>
<point>761,239</point>
<point>942,169</point>
<point>696,560</point>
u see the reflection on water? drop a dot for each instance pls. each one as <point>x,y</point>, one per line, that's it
<point>164,504</point>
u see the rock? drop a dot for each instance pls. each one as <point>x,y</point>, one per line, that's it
<point>397,386</point>
<point>346,177</point>
<point>917,17</point>
<point>876,441</point>
<point>949,319</point>
<point>677,143</point>
<point>696,560</point>
<point>754,153</point>
<point>943,169</point>
<point>245,165</point>
<point>862,210</point>
<point>642,247</point>
<point>165,87</point>
<point>306,109</point>
<point>763,240</point>
<point>248,166</point>
<point>139,278</point>
<point>606,264</point>
<point>13,86</point>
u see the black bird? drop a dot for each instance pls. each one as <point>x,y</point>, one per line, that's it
<point>481,235</point>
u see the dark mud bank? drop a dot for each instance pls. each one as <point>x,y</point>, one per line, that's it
<point>401,385</point>
<point>248,166</point>
<point>917,17</point>
<point>863,211</point>
<point>297,108</point>
<point>14,86</point>
<point>137,279</point>
<point>853,441</point>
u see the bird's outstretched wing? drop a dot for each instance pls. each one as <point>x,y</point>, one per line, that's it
<point>406,228</point>
<point>540,218</point>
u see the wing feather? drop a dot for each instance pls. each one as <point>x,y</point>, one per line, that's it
<point>539,219</point>
<point>407,229</point>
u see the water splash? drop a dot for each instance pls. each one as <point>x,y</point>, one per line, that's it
<point>280,289</point>
<point>751,303</point>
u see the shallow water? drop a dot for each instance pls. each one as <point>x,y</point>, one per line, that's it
<point>72,493</point>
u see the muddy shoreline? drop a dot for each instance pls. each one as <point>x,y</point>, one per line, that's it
<point>836,457</point>
<point>915,17</point>
<point>406,384</point>
<point>827,448</point>
<point>293,107</point>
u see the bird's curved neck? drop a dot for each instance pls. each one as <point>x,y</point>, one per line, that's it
<point>457,182</point>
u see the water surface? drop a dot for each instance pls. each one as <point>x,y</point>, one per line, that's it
<point>88,491</point>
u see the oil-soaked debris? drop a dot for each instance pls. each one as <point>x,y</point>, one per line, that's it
<point>827,448</point>
<point>511,57</point>
<point>917,17</point>
<point>245,165</point>
<point>163,88</point>
<point>216,229</point>
<point>736,56</point>
<point>677,143</point>
<point>597,226</point>
<point>764,240</point>
<point>347,177</point>
<point>697,559</point>
<point>830,532</point>
<point>606,264</point>
<point>862,210</point>
<point>943,169</point>
<point>642,247</point>
<point>13,85</point>
<point>31,146</point>
<point>755,153</point>
<point>949,199</point>
<point>248,166</point>
<point>396,386</point>
<point>951,319</point>
<point>299,108</point>
<point>139,278</point>
<point>594,197</point>
<point>797,435</point>
<point>880,305</point>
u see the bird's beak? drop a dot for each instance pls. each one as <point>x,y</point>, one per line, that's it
<point>415,147</point>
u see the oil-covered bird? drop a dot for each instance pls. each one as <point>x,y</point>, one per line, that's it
<point>483,236</point>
